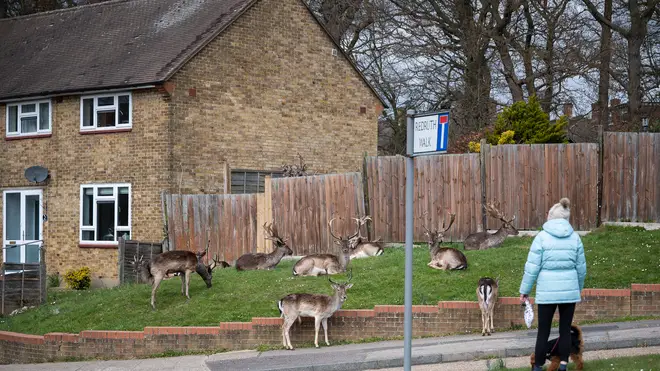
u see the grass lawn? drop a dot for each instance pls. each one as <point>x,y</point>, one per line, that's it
<point>645,363</point>
<point>616,257</point>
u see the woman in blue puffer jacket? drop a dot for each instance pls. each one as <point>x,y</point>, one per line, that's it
<point>556,263</point>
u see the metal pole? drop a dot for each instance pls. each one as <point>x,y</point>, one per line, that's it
<point>407,313</point>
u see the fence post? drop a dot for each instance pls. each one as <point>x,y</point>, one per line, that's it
<point>601,154</point>
<point>121,247</point>
<point>365,193</point>
<point>482,162</point>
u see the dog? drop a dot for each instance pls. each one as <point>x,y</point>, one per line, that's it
<point>552,352</point>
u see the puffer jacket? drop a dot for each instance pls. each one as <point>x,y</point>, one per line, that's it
<point>556,263</point>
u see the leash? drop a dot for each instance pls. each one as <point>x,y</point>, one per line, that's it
<point>555,346</point>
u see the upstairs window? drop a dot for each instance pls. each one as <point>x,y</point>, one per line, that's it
<point>28,118</point>
<point>106,112</point>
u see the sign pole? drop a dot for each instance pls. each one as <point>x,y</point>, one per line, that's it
<point>407,313</point>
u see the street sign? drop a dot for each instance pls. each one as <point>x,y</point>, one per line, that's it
<point>430,133</point>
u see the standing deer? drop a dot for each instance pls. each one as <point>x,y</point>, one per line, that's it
<point>265,261</point>
<point>445,258</point>
<point>319,264</point>
<point>487,293</point>
<point>321,307</point>
<point>484,240</point>
<point>361,246</point>
<point>167,264</point>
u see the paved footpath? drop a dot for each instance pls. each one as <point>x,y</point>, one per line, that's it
<point>619,339</point>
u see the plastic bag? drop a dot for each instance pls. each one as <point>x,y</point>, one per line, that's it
<point>529,313</point>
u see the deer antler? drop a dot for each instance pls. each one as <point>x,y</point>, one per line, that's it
<point>493,209</point>
<point>350,277</point>
<point>331,232</point>
<point>357,231</point>
<point>452,218</point>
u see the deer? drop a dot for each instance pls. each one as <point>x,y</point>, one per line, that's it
<point>321,307</point>
<point>265,261</point>
<point>444,258</point>
<point>361,246</point>
<point>487,294</point>
<point>484,240</point>
<point>169,263</point>
<point>327,264</point>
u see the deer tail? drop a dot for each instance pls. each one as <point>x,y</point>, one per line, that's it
<point>281,308</point>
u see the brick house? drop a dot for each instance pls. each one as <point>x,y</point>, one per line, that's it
<point>123,100</point>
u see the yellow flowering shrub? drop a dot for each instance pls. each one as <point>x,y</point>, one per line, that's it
<point>78,279</point>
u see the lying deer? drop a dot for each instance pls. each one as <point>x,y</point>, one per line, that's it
<point>319,264</point>
<point>487,293</point>
<point>321,307</point>
<point>361,246</point>
<point>445,258</point>
<point>167,264</point>
<point>265,261</point>
<point>484,240</point>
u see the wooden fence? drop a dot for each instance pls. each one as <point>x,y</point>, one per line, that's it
<point>529,179</point>
<point>128,251</point>
<point>226,223</point>
<point>302,208</point>
<point>443,184</point>
<point>631,177</point>
<point>22,285</point>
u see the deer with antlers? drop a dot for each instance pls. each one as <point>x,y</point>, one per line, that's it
<point>321,307</point>
<point>167,264</point>
<point>320,264</point>
<point>361,247</point>
<point>484,240</point>
<point>444,258</point>
<point>265,261</point>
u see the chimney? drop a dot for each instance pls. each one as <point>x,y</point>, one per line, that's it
<point>595,112</point>
<point>568,109</point>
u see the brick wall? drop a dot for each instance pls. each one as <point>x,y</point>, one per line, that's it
<point>138,157</point>
<point>266,89</point>
<point>384,321</point>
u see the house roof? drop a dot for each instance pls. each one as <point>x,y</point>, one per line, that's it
<point>114,44</point>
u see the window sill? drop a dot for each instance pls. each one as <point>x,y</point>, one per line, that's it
<point>105,131</point>
<point>35,136</point>
<point>109,245</point>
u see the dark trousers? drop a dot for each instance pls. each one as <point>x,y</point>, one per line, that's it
<point>546,312</point>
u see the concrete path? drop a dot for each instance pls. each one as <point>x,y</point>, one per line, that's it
<point>389,354</point>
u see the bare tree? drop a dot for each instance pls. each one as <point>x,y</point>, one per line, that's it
<point>634,30</point>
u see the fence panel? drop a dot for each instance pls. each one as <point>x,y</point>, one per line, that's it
<point>226,223</point>
<point>631,177</point>
<point>128,251</point>
<point>528,179</point>
<point>22,285</point>
<point>302,207</point>
<point>443,184</point>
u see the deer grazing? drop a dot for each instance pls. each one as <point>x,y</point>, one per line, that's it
<point>168,264</point>
<point>484,240</point>
<point>444,258</point>
<point>487,293</point>
<point>265,261</point>
<point>361,246</point>
<point>321,307</point>
<point>319,264</point>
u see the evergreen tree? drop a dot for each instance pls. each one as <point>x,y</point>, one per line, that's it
<point>529,123</point>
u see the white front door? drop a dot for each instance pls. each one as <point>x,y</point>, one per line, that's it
<point>22,227</point>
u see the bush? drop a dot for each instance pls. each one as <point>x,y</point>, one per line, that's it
<point>474,147</point>
<point>54,280</point>
<point>78,279</point>
<point>528,124</point>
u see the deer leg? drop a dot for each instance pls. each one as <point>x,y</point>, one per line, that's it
<point>317,323</point>
<point>183,284</point>
<point>188,273</point>
<point>484,322</point>
<point>157,281</point>
<point>286,328</point>
<point>492,328</point>
<point>324,323</point>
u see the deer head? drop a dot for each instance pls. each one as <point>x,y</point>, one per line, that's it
<point>273,235</point>
<point>492,208</point>
<point>206,270</point>
<point>340,288</point>
<point>436,236</point>
<point>344,241</point>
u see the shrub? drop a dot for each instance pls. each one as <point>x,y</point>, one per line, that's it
<point>529,125</point>
<point>474,147</point>
<point>54,280</point>
<point>78,279</point>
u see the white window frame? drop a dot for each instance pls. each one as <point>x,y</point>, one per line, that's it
<point>96,109</point>
<point>115,197</point>
<point>36,114</point>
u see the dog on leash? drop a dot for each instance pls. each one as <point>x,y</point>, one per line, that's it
<point>552,351</point>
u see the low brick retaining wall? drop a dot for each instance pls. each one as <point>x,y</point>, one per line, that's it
<point>384,321</point>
